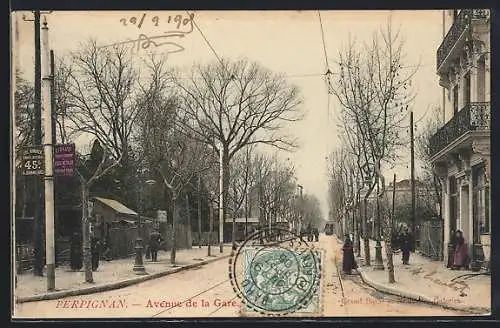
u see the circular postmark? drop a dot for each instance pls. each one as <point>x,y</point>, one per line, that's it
<point>275,272</point>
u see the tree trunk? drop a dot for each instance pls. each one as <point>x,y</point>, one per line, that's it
<point>246,212</point>
<point>389,254</point>
<point>188,221</point>
<point>225,193</point>
<point>211,227</point>
<point>388,241</point>
<point>365,234</point>
<point>87,256</point>
<point>199,211</point>
<point>233,233</point>
<point>175,212</point>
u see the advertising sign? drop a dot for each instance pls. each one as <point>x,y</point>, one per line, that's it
<point>64,160</point>
<point>32,161</point>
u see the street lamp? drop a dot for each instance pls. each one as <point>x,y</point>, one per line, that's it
<point>139,268</point>
<point>379,263</point>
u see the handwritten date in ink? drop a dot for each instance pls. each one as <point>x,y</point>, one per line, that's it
<point>172,20</point>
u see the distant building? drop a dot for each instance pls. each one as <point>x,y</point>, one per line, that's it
<point>460,150</point>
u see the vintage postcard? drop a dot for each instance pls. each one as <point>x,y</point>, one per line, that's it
<point>173,164</point>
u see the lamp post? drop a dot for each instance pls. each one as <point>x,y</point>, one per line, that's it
<point>139,268</point>
<point>379,263</point>
<point>301,207</point>
<point>211,222</point>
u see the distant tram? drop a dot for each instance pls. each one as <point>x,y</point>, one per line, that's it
<point>329,227</point>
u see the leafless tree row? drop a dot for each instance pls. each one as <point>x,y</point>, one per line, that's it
<point>145,119</point>
<point>373,87</point>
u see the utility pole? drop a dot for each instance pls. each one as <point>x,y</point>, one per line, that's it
<point>390,262</point>
<point>221,198</point>
<point>412,163</point>
<point>199,210</point>
<point>54,119</point>
<point>38,220</point>
<point>48,153</point>
<point>53,97</point>
<point>301,218</point>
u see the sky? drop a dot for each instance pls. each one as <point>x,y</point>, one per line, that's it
<point>288,42</point>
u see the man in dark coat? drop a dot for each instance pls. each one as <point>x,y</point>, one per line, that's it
<point>407,245</point>
<point>95,251</point>
<point>155,240</point>
<point>348,260</point>
<point>316,234</point>
<point>76,262</point>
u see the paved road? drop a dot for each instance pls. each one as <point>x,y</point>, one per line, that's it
<point>207,292</point>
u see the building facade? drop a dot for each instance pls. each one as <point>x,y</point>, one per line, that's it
<point>460,149</point>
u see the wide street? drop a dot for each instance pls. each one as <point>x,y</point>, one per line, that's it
<point>207,292</point>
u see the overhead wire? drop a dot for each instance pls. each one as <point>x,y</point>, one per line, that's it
<point>328,85</point>
<point>205,38</point>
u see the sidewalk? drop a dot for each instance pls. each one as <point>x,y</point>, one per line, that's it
<point>430,281</point>
<point>112,275</point>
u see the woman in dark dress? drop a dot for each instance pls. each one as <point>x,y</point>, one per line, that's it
<point>461,258</point>
<point>95,251</point>
<point>348,261</point>
<point>76,262</point>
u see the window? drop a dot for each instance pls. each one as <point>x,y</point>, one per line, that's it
<point>480,203</point>
<point>481,79</point>
<point>466,90</point>
<point>454,208</point>
<point>455,99</point>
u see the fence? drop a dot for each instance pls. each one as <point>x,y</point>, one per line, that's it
<point>431,239</point>
<point>204,238</point>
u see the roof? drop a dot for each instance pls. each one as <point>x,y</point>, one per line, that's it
<point>242,220</point>
<point>406,183</point>
<point>124,221</point>
<point>116,205</point>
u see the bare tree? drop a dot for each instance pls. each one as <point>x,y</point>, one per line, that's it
<point>236,104</point>
<point>422,142</point>
<point>24,116</point>
<point>374,91</point>
<point>96,96</point>
<point>175,156</point>
<point>241,180</point>
<point>88,176</point>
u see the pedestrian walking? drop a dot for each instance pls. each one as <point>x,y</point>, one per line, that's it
<point>407,245</point>
<point>316,234</point>
<point>309,232</point>
<point>461,256</point>
<point>76,262</point>
<point>106,247</point>
<point>155,240</point>
<point>348,260</point>
<point>95,251</point>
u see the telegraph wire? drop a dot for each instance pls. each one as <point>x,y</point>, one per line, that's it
<point>324,43</point>
<point>205,38</point>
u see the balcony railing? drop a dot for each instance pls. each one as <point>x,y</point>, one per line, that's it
<point>474,116</point>
<point>461,23</point>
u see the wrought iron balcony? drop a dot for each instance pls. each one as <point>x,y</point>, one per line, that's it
<point>461,23</point>
<point>473,117</point>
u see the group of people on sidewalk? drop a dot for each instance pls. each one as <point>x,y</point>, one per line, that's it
<point>98,250</point>
<point>310,232</point>
<point>405,241</point>
<point>101,249</point>
<point>401,240</point>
